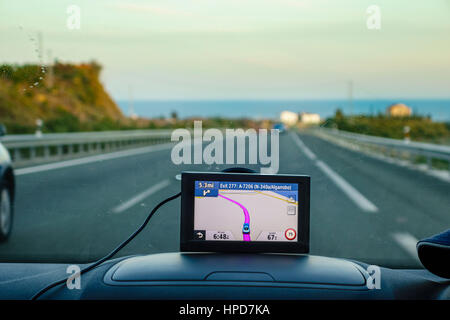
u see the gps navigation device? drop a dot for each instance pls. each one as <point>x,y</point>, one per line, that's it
<point>235,212</point>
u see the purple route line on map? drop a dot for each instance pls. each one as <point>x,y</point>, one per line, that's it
<point>246,214</point>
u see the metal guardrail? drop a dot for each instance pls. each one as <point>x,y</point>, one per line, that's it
<point>31,149</point>
<point>403,149</point>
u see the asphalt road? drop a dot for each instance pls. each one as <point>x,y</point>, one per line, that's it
<point>361,208</point>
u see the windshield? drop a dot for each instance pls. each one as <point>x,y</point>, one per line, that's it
<point>99,99</point>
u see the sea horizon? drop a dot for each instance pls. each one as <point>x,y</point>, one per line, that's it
<point>437,109</point>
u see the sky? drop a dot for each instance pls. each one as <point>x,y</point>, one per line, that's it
<point>242,49</point>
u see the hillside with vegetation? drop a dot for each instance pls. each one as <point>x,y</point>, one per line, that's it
<point>420,128</point>
<point>67,98</point>
<point>71,98</point>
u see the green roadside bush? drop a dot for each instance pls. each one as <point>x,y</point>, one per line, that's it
<point>421,128</point>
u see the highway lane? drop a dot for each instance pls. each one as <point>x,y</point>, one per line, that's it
<point>411,205</point>
<point>417,202</point>
<point>79,213</point>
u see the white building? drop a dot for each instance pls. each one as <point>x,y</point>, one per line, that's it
<point>289,118</point>
<point>309,118</point>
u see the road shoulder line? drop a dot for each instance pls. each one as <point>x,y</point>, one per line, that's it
<point>91,159</point>
<point>141,196</point>
<point>359,199</point>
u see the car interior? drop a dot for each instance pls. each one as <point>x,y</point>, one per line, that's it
<point>222,270</point>
<point>227,153</point>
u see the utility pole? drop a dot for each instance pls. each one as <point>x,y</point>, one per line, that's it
<point>50,68</point>
<point>131,113</point>
<point>40,47</point>
<point>350,96</point>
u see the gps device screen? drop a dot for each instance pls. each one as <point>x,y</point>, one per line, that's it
<point>244,212</point>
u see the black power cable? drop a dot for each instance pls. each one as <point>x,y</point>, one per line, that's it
<point>112,253</point>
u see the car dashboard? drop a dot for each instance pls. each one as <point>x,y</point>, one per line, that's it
<point>192,276</point>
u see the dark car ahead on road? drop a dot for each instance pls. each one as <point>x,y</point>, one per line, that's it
<point>7,189</point>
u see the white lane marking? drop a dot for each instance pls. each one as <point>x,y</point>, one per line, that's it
<point>408,242</point>
<point>141,196</point>
<point>348,189</point>
<point>90,159</point>
<point>303,147</point>
<point>354,195</point>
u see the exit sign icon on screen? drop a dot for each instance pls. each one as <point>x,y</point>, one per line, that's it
<point>292,199</point>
